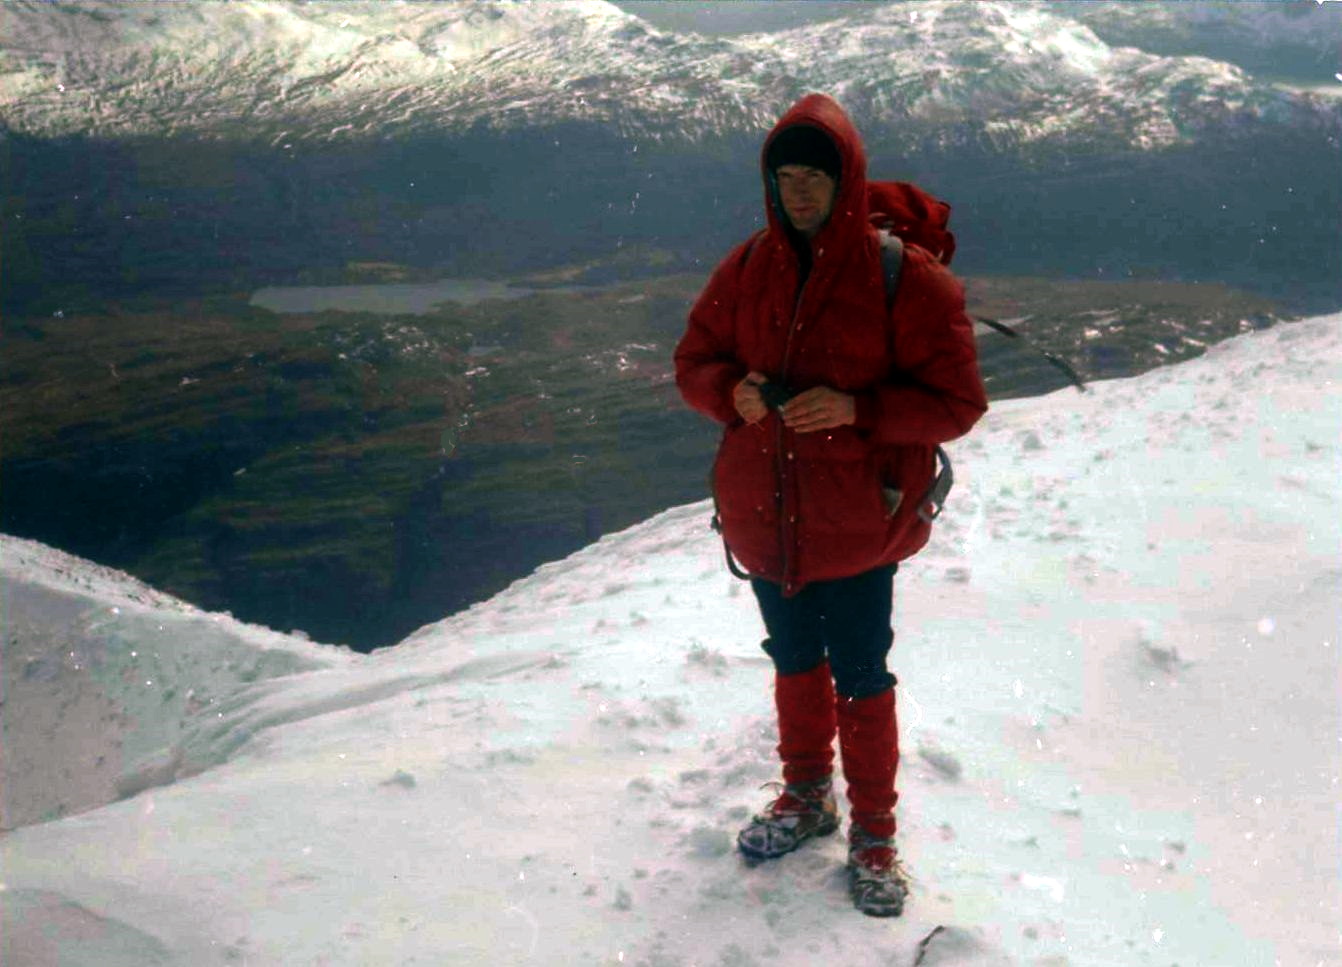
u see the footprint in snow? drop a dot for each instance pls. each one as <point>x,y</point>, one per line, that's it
<point>944,763</point>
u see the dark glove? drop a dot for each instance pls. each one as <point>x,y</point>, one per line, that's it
<point>775,395</point>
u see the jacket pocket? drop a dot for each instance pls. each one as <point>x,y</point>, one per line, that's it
<point>907,468</point>
<point>746,490</point>
<point>894,498</point>
<point>906,474</point>
<point>840,488</point>
<point>743,473</point>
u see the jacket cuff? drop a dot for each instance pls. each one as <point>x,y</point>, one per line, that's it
<point>867,411</point>
<point>729,414</point>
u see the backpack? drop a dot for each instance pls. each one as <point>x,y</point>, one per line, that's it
<point>906,211</point>
<point>902,213</point>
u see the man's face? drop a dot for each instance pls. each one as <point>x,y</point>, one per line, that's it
<point>807,195</point>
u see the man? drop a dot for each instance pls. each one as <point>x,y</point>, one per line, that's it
<point>818,496</point>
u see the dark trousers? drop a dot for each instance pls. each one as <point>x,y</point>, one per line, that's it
<point>846,621</point>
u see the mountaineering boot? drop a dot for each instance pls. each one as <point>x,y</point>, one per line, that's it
<point>876,881</point>
<point>806,728</point>
<point>802,811</point>
<point>869,748</point>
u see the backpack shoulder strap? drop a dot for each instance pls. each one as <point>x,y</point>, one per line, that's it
<point>892,262</point>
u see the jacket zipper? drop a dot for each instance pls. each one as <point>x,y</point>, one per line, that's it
<point>784,525</point>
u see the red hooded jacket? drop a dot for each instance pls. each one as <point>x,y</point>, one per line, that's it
<point>802,507</point>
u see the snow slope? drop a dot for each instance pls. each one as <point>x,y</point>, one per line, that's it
<point>1119,666</point>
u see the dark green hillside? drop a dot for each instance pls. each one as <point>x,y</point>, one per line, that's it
<point>217,449</point>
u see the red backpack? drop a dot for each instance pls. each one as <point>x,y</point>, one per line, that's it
<point>912,215</point>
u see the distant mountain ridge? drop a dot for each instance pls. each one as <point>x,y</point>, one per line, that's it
<point>338,72</point>
<point>1286,38</point>
<point>231,145</point>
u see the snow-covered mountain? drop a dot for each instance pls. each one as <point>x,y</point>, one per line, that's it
<point>1296,39</point>
<point>1121,730</point>
<point>153,145</point>
<point>338,71</point>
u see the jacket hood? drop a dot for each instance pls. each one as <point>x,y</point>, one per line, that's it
<point>850,204</point>
<point>895,206</point>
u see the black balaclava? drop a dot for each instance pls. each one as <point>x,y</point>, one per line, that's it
<point>804,145</point>
<point>801,144</point>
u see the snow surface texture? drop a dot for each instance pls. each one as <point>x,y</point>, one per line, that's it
<point>340,71</point>
<point>105,678</point>
<point>1122,732</point>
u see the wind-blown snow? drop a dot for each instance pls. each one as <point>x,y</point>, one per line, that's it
<point>1122,731</point>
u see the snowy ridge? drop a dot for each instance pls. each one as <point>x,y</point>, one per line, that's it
<point>1121,730</point>
<point>341,71</point>
<point>55,570</point>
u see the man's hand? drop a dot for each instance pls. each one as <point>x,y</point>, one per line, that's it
<point>820,408</point>
<point>747,399</point>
